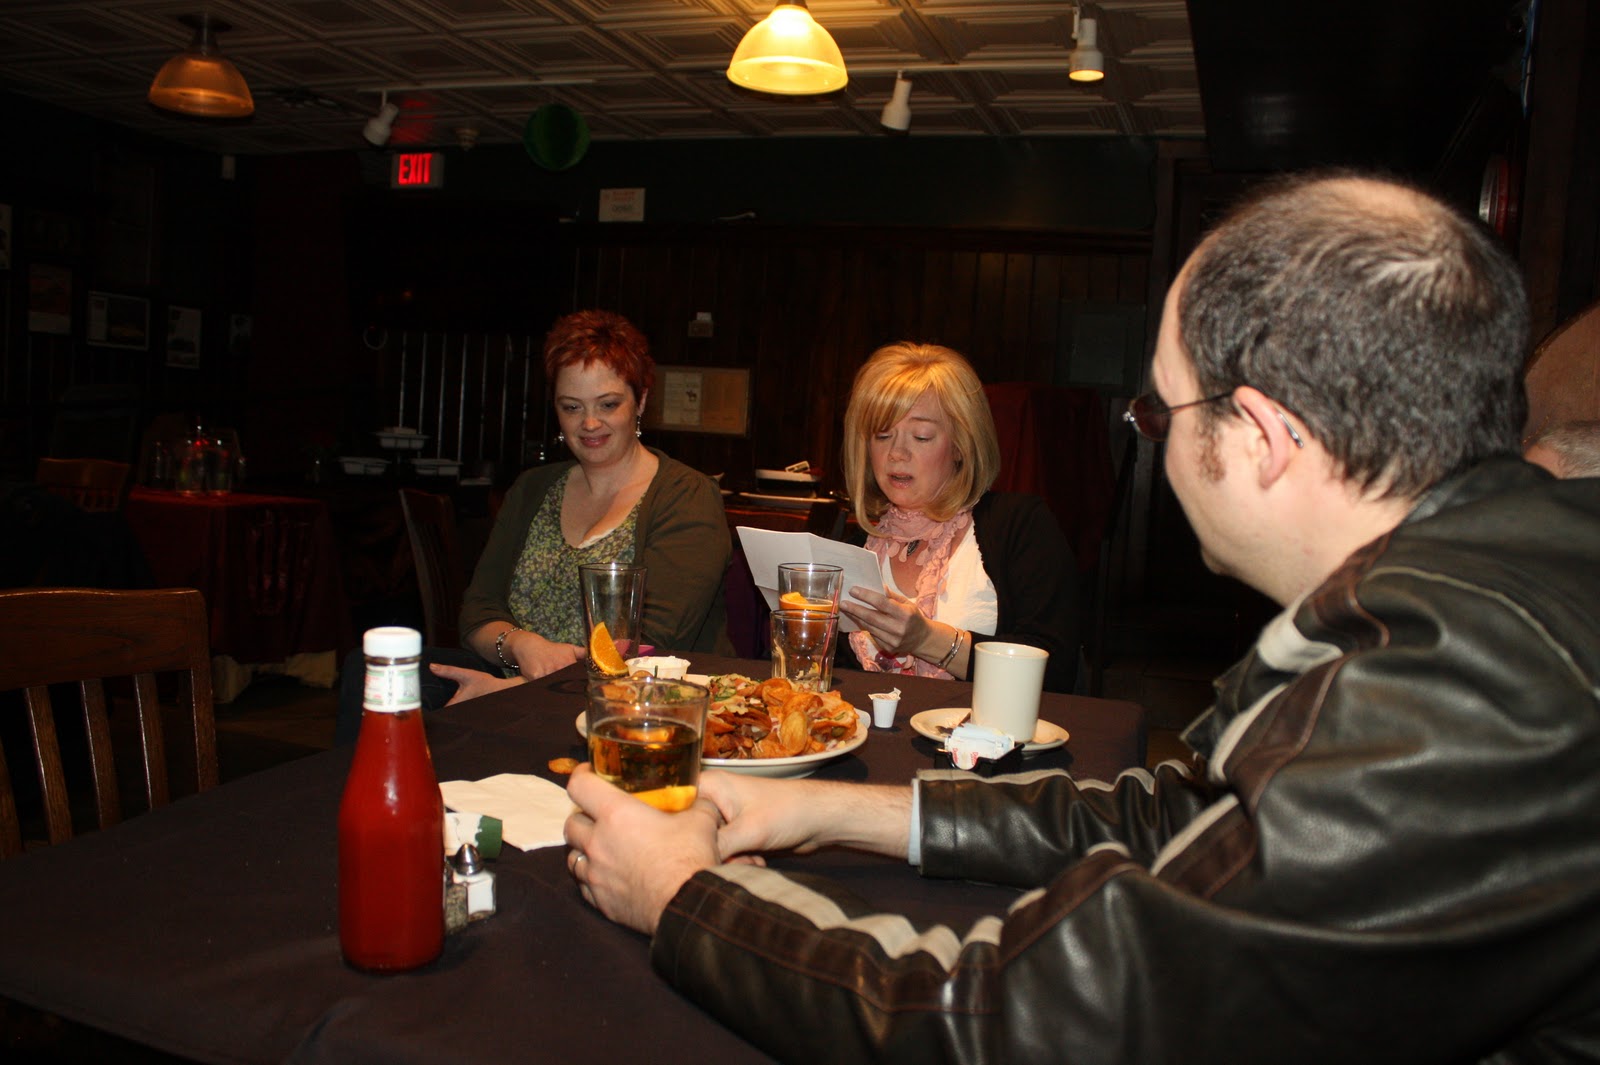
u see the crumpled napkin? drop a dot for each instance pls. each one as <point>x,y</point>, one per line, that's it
<point>531,808</point>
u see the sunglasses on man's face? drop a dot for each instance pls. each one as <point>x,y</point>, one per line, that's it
<point>1152,418</point>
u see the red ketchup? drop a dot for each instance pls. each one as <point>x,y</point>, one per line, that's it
<point>391,820</point>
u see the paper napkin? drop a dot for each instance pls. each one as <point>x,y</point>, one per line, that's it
<point>531,808</point>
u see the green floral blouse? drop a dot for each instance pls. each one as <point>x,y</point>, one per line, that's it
<point>544,596</point>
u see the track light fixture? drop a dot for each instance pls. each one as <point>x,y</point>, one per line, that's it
<point>1086,64</point>
<point>198,81</point>
<point>379,127</point>
<point>897,112</point>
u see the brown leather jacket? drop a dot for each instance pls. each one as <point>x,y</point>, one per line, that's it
<point>1391,855</point>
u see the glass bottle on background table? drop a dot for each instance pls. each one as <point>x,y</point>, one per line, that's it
<point>391,819</point>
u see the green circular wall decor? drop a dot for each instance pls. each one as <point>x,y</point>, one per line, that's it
<point>556,137</point>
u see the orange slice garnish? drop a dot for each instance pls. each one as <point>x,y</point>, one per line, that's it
<point>796,601</point>
<point>603,652</point>
<point>671,799</point>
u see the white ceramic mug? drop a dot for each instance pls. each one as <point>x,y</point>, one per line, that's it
<point>1006,682</point>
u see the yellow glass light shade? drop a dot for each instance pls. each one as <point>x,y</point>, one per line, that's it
<point>787,53</point>
<point>199,81</point>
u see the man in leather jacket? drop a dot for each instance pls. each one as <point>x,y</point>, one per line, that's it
<point>1389,849</point>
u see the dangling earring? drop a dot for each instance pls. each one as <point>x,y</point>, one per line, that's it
<point>638,426</point>
<point>561,438</point>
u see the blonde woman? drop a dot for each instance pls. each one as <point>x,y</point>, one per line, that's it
<point>960,563</point>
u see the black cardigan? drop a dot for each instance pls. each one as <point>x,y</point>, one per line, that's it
<point>1035,581</point>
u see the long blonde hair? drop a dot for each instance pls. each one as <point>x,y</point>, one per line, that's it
<point>886,387</point>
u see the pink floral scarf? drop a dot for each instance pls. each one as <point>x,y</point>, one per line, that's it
<point>899,532</point>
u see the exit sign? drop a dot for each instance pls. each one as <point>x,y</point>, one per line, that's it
<point>417,170</point>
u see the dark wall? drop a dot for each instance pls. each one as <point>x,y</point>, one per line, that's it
<point>1096,184</point>
<point>851,226</point>
<point>99,210</point>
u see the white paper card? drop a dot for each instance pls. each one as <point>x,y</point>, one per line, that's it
<point>532,810</point>
<point>765,550</point>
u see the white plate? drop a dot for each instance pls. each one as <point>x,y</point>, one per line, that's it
<point>786,475</point>
<point>799,766</point>
<point>782,502</point>
<point>1046,735</point>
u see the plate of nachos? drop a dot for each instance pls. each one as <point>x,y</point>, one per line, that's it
<point>768,728</point>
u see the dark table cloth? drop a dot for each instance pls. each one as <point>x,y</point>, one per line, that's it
<point>208,928</point>
<point>267,566</point>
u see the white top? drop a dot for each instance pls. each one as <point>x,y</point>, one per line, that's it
<point>968,600</point>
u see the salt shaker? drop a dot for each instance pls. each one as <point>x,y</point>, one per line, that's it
<point>478,880</point>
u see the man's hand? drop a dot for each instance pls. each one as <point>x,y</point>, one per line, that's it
<point>629,858</point>
<point>895,623</point>
<point>471,683</point>
<point>762,814</point>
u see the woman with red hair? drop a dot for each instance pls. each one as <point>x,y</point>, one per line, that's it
<point>616,501</point>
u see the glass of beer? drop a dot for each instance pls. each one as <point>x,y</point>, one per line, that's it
<point>645,735</point>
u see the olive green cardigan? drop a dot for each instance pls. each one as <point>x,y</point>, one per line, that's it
<point>681,537</point>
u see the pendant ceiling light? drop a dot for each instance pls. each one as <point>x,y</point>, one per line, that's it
<point>199,81</point>
<point>789,54</point>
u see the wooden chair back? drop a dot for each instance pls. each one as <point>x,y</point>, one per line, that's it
<point>1563,374</point>
<point>85,636</point>
<point>92,484</point>
<point>435,550</point>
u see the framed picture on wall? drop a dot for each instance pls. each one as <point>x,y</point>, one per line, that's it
<point>183,337</point>
<point>49,299</point>
<point>700,399</point>
<point>239,326</point>
<point>118,321</point>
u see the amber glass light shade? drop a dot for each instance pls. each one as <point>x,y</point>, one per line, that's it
<point>199,81</point>
<point>787,53</point>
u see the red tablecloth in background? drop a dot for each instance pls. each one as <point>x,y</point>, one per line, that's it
<point>267,566</point>
<point>1055,443</point>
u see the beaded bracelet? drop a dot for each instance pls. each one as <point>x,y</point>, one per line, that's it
<point>500,649</point>
<point>955,645</point>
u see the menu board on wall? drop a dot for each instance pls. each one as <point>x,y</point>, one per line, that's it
<point>700,399</point>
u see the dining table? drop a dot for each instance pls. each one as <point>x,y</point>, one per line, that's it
<point>207,929</point>
<point>268,567</point>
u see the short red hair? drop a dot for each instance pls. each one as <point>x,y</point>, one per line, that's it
<point>583,337</point>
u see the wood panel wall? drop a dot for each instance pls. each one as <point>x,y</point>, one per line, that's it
<point>802,309</point>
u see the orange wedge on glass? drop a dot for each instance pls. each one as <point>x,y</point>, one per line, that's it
<point>671,799</point>
<point>796,601</point>
<point>604,654</point>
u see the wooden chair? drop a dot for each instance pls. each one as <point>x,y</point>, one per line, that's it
<point>431,528</point>
<point>83,636</point>
<point>92,484</point>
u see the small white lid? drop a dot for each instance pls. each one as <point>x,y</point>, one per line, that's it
<point>391,641</point>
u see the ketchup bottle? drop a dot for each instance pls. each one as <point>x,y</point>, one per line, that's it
<point>391,820</point>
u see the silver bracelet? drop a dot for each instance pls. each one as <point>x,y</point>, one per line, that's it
<point>500,650</point>
<point>955,645</point>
